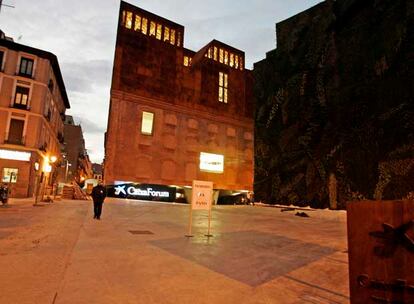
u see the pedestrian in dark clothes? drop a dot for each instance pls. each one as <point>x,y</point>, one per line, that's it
<point>98,196</point>
<point>4,194</point>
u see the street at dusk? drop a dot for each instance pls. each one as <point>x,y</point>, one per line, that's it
<point>257,255</point>
<point>215,152</point>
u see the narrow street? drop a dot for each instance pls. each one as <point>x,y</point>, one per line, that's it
<point>138,253</point>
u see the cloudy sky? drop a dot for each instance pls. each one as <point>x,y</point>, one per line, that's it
<point>82,35</point>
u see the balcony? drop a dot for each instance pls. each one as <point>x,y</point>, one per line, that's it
<point>20,106</point>
<point>15,141</point>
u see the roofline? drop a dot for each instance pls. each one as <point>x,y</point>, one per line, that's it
<point>124,3</point>
<point>43,54</point>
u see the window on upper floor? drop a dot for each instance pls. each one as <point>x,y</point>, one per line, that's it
<point>166,33</point>
<point>128,22</point>
<point>187,61</point>
<point>15,134</point>
<point>172,37</point>
<point>138,20</point>
<point>1,60</point>
<point>223,87</point>
<point>147,124</point>
<point>21,98</point>
<point>159,31</point>
<point>179,39</point>
<point>153,28</point>
<point>144,26</point>
<point>26,67</point>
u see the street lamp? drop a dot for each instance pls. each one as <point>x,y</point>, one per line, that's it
<point>47,168</point>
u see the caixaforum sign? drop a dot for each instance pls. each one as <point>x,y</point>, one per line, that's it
<point>144,192</point>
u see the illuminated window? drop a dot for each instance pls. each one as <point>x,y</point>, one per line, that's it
<point>144,26</point>
<point>223,87</point>
<point>213,163</point>
<point>137,26</point>
<point>178,38</point>
<point>10,175</point>
<point>215,53</point>
<point>172,37</point>
<point>159,31</point>
<point>241,63</point>
<point>166,33</point>
<point>153,26</point>
<point>1,60</point>
<point>232,60</point>
<point>210,52</point>
<point>123,17</point>
<point>128,23</point>
<point>187,61</point>
<point>21,98</point>
<point>26,67</point>
<point>226,57</point>
<point>147,123</point>
<point>236,62</point>
<point>221,56</point>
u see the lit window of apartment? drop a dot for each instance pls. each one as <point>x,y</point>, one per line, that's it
<point>172,37</point>
<point>147,125</point>
<point>159,31</point>
<point>223,87</point>
<point>232,60</point>
<point>187,61</point>
<point>10,175</point>
<point>226,57</point>
<point>144,26</point>
<point>137,26</point>
<point>241,63</point>
<point>215,53</point>
<point>221,56</point>
<point>26,67</point>
<point>210,53</point>
<point>21,98</point>
<point>166,33</point>
<point>153,28</point>
<point>236,62</point>
<point>128,23</point>
<point>179,39</point>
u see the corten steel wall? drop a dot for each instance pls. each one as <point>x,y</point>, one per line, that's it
<point>149,75</point>
<point>40,134</point>
<point>335,108</point>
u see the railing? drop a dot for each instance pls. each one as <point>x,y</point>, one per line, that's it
<point>20,106</point>
<point>14,141</point>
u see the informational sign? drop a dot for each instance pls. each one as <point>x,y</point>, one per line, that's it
<point>211,162</point>
<point>15,155</point>
<point>202,195</point>
<point>381,251</point>
<point>143,192</point>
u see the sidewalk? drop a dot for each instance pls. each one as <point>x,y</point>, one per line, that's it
<point>138,254</point>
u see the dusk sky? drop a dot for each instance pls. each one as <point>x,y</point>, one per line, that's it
<point>82,34</point>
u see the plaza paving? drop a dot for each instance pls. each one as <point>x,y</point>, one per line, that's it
<point>138,253</point>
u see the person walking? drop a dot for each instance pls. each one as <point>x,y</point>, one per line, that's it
<point>4,194</point>
<point>98,196</point>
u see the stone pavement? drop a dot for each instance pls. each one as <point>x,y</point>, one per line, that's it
<point>138,253</point>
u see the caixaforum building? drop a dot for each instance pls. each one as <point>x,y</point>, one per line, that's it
<point>177,115</point>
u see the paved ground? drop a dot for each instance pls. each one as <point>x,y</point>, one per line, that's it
<point>58,254</point>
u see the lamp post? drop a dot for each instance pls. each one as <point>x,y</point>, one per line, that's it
<point>47,168</point>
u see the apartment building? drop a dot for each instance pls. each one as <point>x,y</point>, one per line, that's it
<point>33,101</point>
